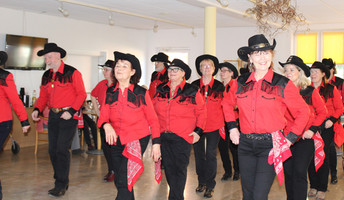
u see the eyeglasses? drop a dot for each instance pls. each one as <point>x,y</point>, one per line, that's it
<point>175,69</point>
<point>261,53</point>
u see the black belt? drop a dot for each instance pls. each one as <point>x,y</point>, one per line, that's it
<point>57,110</point>
<point>255,136</point>
<point>167,132</point>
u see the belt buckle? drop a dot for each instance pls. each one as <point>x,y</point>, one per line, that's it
<point>55,110</point>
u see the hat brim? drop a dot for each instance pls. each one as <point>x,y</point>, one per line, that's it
<point>58,49</point>
<point>199,59</point>
<point>303,66</point>
<point>185,68</point>
<point>230,67</point>
<point>244,51</point>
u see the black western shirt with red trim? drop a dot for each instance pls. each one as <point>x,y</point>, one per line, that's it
<point>61,89</point>
<point>130,113</point>
<point>182,113</point>
<point>212,94</point>
<point>8,97</point>
<point>262,105</point>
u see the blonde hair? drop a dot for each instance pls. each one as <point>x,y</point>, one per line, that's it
<point>302,81</point>
<point>207,60</point>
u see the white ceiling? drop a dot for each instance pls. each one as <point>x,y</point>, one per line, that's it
<point>185,13</point>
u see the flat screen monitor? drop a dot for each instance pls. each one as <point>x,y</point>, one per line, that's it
<point>22,52</point>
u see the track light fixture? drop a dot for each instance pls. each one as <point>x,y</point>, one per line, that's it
<point>224,3</point>
<point>63,11</point>
<point>155,28</point>
<point>111,22</point>
<point>193,33</point>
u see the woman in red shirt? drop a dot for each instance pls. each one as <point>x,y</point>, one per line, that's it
<point>212,93</point>
<point>296,167</point>
<point>9,97</point>
<point>262,97</point>
<point>128,118</point>
<point>228,73</point>
<point>98,98</point>
<point>331,96</point>
<point>182,116</point>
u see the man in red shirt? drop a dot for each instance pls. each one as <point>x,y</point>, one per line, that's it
<point>160,74</point>
<point>63,90</point>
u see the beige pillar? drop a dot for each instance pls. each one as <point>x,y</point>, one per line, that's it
<point>210,30</point>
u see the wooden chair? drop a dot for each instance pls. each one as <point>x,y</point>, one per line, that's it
<point>41,129</point>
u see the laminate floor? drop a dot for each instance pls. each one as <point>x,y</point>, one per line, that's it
<point>27,177</point>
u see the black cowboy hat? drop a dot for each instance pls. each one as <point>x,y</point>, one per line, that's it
<point>135,63</point>
<point>328,63</point>
<point>3,57</point>
<point>51,47</point>
<point>298,62</point>
<point>322,67</point>
<point>200,58</point>
<point>108,63</point>
<point>230,67</point>
<point>255,43</point>
<point>161,57</point>
<point>183,66</point>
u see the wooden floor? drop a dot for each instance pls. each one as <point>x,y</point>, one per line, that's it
<point>26,176</point>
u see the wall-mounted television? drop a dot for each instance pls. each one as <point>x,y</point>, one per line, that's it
<point>22,52</point>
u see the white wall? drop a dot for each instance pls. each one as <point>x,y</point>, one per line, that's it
<point>86,42</point>
<point>78,38</point>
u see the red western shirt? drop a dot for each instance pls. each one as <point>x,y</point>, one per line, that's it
<point>64,88</point>
<point>183,113</point>
<point>212,95</point>
<point>317,107</point>
<point>8,97</point>
<point>333,101</point>
<point>227,87</point>
<point>157,79</point>
<point>262,105</point>
<point>339,83</point>
<point>99,92</point>
<point>130,113</point>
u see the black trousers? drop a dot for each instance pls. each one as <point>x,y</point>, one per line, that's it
<point>175,153</point>
<point>119,163</point>
<point>319,180</point>
<point>89,124</point>
<point>223,148</point>
<point>257,175</point>
<point>5,129</point>
<point>296,167</point>
<point>333,160</point>
<point>106,150</point>
<point>60,136</point>
<point>206,163</point>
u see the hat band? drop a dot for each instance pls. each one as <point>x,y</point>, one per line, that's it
<point>260,45</point>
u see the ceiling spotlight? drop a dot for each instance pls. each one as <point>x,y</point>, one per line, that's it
<point>63,11</point>
<point>224,3</point>
<point>155,28</point>
<point>111,22</point>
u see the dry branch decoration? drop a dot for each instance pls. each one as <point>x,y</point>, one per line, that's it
<point>270,12</point>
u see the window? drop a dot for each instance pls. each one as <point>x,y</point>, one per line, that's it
<point>332,47</point>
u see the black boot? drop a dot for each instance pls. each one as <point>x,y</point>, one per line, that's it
<point>0,191</point>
